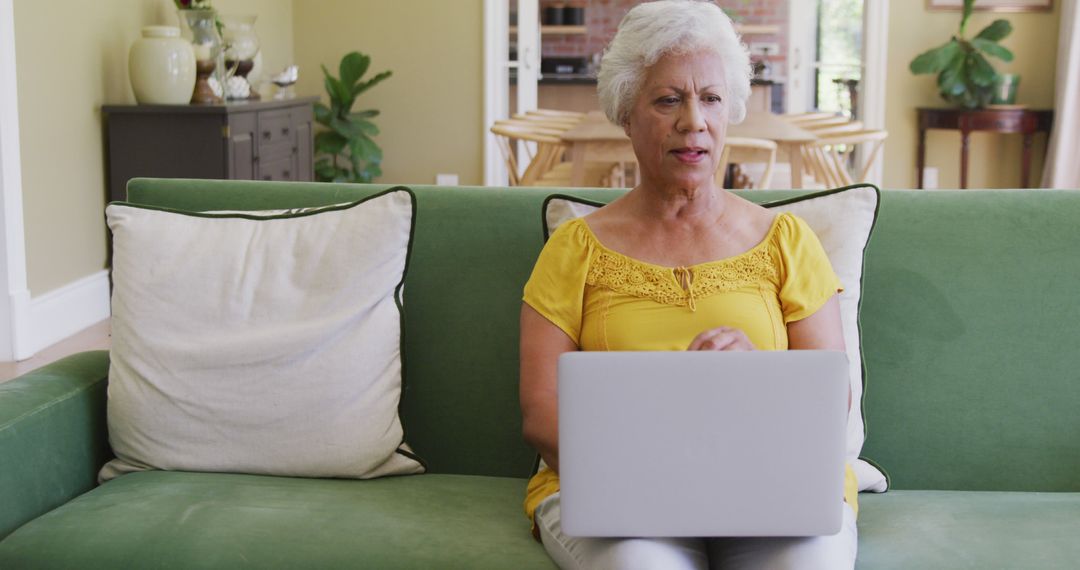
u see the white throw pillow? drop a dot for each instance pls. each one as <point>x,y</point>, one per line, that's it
<point>843,220</point>
<point>259,342</point>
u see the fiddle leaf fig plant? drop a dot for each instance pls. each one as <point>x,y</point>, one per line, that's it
<point>965,75</point>
<point>346,150</point>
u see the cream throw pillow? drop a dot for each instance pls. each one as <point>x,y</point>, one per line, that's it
<point>264,343</point>
<point>843,220</point>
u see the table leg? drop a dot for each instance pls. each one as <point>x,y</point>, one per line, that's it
<point>920,158</point>
<point>1025,162</point>
<point>577,172</point>
<point>964,136</point>
<point>795,156</point>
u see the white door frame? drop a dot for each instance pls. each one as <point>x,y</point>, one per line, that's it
<point>15,301</point>
<point>875,70</point>
<point>496,74</point>
<point>872,88</point>
<point>802,46</point>
<point>496,81</point>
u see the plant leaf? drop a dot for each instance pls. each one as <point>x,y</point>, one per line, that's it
<point>361,87</point>
<point>322,114</point>
<point>366,114</point>
<point>338,93</point>
<point>969,5</point>
<point>980,71</point>
<point>325,171</point>
<point>996,31</point>
<point>329,142</point>
<point>936,59</point>
<point>353,66</point>
<point>992,48</point>
<point>951,79</point>
<point>364,148</point>
<point>367,127</point>
<point>353,129</point>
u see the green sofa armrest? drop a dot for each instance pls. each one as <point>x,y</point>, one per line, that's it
<point>53,436</point>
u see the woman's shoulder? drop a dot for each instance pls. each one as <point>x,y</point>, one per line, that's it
<point>790,227</point>
<point>756,220</point>
<point>571,237</point>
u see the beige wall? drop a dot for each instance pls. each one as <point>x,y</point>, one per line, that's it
<point>71,58</point>
<point>994,158</point>
<point>433,105</point>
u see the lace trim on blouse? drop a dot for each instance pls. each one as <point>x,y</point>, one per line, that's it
<point>681,286</point>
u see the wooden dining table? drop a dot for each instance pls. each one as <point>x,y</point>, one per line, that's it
<point>596,139</point>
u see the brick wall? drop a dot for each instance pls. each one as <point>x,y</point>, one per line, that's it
<point>602,18</point>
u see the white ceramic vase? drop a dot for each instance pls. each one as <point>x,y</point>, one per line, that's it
<point>162,67</point>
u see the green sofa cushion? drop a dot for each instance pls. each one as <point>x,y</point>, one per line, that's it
<point>980,530</point>
<point>159,519</point>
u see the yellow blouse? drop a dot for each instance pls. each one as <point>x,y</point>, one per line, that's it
<point>605,300</point>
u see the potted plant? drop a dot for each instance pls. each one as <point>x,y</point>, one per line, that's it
<point>965,76</point>
<point>345,150</point>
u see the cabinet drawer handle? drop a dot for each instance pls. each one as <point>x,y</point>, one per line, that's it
<point>285,131</point>
<point>267,135</point>
<point>285,174</point>
<point>266,177</point>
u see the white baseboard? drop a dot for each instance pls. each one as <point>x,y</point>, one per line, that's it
<point>63,312</point>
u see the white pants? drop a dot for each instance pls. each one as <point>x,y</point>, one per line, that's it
<point>835,552</point>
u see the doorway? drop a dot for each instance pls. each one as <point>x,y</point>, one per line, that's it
<point>801,65</point>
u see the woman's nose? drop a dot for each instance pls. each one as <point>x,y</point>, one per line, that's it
<point>691,119</point>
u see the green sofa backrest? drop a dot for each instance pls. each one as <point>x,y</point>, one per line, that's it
<point>969,325</point>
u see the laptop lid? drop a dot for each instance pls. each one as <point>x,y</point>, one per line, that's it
<point>702,443</point>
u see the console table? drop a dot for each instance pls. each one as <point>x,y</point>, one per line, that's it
<point>257,140</point>
<point>1024,121</point>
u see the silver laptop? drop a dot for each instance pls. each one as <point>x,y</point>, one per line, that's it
<point>702,443</point>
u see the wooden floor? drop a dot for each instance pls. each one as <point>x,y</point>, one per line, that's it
<point>96,337</point>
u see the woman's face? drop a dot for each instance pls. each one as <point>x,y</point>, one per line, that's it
<point>679,120</point>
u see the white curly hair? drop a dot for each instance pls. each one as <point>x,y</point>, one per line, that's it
<point>653,29</point>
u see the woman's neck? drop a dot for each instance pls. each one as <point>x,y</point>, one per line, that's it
<point>705,203</point>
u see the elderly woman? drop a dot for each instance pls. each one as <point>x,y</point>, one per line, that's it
<point>726,274</point>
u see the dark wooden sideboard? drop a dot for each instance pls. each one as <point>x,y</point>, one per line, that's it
<point>1015,120</point>
<point>258,140</point>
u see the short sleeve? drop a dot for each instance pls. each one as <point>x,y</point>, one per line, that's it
<point>556,288</point>
<point>807,279</point>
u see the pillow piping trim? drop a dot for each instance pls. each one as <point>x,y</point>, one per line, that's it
<point>311,212</point>
<point>400,302</point>
<point>775,204</point>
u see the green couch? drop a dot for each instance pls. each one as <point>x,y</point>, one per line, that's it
<point>969,321</point>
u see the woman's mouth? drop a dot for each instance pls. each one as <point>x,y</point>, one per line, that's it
<point>690,155</point>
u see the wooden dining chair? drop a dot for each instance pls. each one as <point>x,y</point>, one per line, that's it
<point>544,151</point>
<point>557,113</point>
<point>562,123</point>
<point>824,122</point>
<point>546,165</point>
<point>829,157</point>
<point>832,129</point>
<point>743,150</point>
<point>805,117</point>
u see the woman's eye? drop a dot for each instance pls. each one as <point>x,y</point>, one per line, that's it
<point>713,98</point>
<point>668,100</point>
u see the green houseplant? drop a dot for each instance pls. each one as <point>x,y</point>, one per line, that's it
<point>346,151</point>
<point>965,76</point>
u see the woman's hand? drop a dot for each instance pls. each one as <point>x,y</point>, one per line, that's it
<point>721,338</point>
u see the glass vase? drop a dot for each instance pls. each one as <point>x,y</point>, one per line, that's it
<point>241,47</point>
<point>200,27</point>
